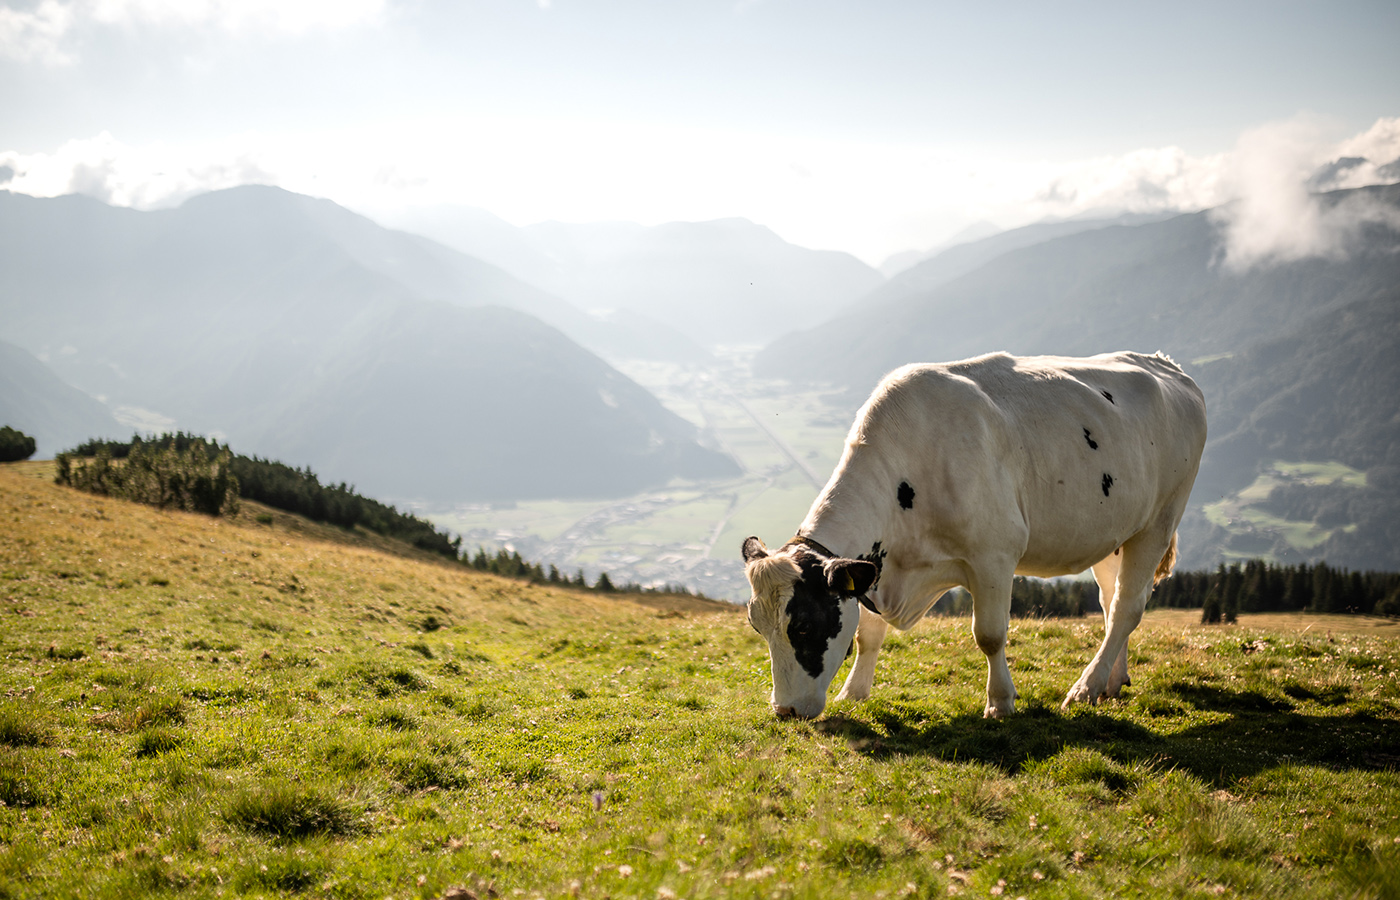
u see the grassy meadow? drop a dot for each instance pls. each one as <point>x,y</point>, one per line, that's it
<point>196,707</point>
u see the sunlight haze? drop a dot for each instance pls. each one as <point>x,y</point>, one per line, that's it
<point>869,128</point>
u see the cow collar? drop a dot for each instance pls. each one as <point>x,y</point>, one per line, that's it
<point>811,544</point>
<point>801,540</point>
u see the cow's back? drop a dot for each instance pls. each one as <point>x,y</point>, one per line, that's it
<point>1082,453</point>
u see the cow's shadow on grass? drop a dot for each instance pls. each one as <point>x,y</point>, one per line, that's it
<point>1256,732</point>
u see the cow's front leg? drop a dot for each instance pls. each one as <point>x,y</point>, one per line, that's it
<point>991,616</point>
<point>870,634</point>
<point>1108,671</point>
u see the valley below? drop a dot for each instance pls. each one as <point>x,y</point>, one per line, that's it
<point>786,439</point>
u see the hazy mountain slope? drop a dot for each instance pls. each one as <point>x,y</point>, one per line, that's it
<point>964,256</point>
<point>904,260</point>
<point>485,404</point>
<point>1328,392</point>
<point>266,317</point>
<point>39,403</point>
<point>215,244</point>
<point>1147,287</point>
<point>726,281</point>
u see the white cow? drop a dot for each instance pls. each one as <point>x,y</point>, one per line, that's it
<point>969,473</point>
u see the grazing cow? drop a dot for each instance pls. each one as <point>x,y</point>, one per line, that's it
<point>966,474</point>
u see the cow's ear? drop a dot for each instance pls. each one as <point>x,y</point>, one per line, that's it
<point>850,577</point>
<point>754,549</point>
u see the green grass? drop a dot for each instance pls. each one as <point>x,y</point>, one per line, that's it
<point>219,736</point>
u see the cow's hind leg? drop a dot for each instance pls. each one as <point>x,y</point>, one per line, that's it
<point>1139,560</point>
<point>1106,574</point>
<point>870,634</point>
<point>991,616</point>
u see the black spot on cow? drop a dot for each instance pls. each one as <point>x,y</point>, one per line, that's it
<point>1093,444</point>
<point>1108,397</point>
<point>905,495</point>
<point>814,614</point>
<point>876,557</point>
<point>1107,483</point>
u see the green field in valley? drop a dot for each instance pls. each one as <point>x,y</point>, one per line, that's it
<point>1243,511</point>
<point>196,707</point>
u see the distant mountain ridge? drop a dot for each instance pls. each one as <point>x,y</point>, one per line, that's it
<point>721,282</point>
<point>299,330</point>
<point>1298,359</point>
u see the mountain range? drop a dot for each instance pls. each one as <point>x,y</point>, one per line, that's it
<point>1299,358</point>
<point>721,282</point>
<point>296,329</point>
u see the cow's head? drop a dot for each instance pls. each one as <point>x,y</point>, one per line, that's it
<point>805,604</point>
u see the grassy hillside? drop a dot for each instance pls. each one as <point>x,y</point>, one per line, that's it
<point>201,707</point>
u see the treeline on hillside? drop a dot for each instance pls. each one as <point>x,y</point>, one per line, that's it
<point>192,473</point>
<point>1259,586</point>
<point>1032,598</point>
<point>511,565</point>
<point>194,478</point>
<point>271,483</point>
<point>1249,587</point>
<point>15,445</point>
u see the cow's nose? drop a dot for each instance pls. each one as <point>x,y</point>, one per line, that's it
<point>784,712</point>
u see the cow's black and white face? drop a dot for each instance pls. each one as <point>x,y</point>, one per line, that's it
<point>806,606</point>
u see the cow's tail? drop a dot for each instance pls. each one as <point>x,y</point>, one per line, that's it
<point>1164,568</point>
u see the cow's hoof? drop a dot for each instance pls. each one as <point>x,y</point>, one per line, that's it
<point>1080,693</point>
<point>999,710</point>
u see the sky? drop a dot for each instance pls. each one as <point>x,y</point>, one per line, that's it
<point>866,126</point>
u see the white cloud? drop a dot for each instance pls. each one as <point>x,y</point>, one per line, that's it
<point>141,177</point>
<point>870,199</point>
<point>1147,180</point>
<point>37,35</point>
<point>286,17</point>
<point>49,33</point>
<point>1274,218</point>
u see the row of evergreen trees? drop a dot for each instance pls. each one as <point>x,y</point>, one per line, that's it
<point>270,483</point>
<point>1032,598</point>
<point>196,478</point>
<point>1248,587</point>
<point>511,565</point>
<point>1259,586</point>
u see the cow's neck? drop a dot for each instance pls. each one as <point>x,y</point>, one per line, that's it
<point>846,525</point>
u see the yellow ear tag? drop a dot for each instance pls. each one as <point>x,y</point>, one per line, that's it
<point>850,583</point>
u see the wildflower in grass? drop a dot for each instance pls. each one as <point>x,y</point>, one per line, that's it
<point>597,800</point>
<point>624,870</point>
